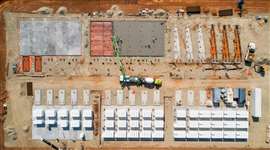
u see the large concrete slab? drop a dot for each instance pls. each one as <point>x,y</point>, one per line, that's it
<point>47,37</point>
<point>140,38</point>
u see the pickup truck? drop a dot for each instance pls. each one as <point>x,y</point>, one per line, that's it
<point>249,58</point>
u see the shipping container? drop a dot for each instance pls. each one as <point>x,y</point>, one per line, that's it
<point>86,97</point>
<point>38,64</point>
<point>37,97</point>
<point>179,135</point>
<point>29,88</point>
<point>257,103</point>
<point>26,63</point>
<point>216,96</point>
<point>190,97</point>
<point>236,94</point>
<point>225,12</point>
<point>239,95</point>
<point>108,95</point>
<point>242,97</point>
<point>144,97</point>
<point>178,97</point>
<point>120,97</point>
<point>156,97</point>
<point>73,96</point>
<point>49,97</point>
<point>203,97</point>
<point>193,10</point>
<point>61,97</point>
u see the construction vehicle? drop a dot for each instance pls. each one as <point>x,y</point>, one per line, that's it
<point>151,82</point>
<point>126,80</point>
<point>139,81</point>
<point>237,45</point>
<point>213,45</point>
<point>250,54</point>
<point>260,70</point>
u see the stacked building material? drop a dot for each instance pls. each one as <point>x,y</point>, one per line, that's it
<point>101,39</point>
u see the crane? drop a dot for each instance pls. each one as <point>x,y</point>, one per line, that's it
<point>127,80</point>
<point>116,41</point>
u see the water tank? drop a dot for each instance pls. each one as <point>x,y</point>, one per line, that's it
<point>257,103</point>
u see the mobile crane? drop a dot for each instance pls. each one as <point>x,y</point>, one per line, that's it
<point>126,80</point>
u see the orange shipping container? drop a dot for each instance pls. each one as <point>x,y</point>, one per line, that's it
<point>38,63</point>
<point>26,63</point>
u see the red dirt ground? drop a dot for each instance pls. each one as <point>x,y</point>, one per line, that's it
<point>128,6</point>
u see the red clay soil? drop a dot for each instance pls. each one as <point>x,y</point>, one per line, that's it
<point>128,6</point>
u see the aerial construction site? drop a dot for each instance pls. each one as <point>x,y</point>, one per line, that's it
<point>134,74</point>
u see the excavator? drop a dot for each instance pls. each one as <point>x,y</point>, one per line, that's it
<point>126,80</point>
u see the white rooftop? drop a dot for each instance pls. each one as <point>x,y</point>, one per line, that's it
<point>204,134</point>
<point>87,123</point>
<point>109,123</point>
<point>38,113</point>
<point>75,123</point>
<point>108,134</point>
<point>158,134</point>
<point>122,124</point>
<point>180,113</point>
<point>216,134</point>
<point>241,114</point>
<point>146,124</point>
<point>229,114</point>
<point>121,134</point>
<point>229,134</point>
<point>109,113</point>
<point>217,113</point>
<point>181,134</point>
<point>87,113</point>
<point>242,124</point>
<point>134,113</point>
<point>229,124</point>
<point>159,113</point>
<point>147,113</point>
<point>134,124</point>
<point>193,124</point>
<point>180,124</point>
<point>50,122</point>
<point>75,113</point>
<point>38,122</point>
<point>217,124</point>
<point>242,135</point>
<point>193,113</point>
<point>192,134</point>
<point>159,124</point>
<point>204,124</point>
<point>121,113</point>
<point>62,113</point>
<point>205,113</point>
<point>133,134</point>
<point>63,123</point>
<point>50,113</point>
<point>146,134</point>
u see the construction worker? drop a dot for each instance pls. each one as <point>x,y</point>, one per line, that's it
<point>240,4</point>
